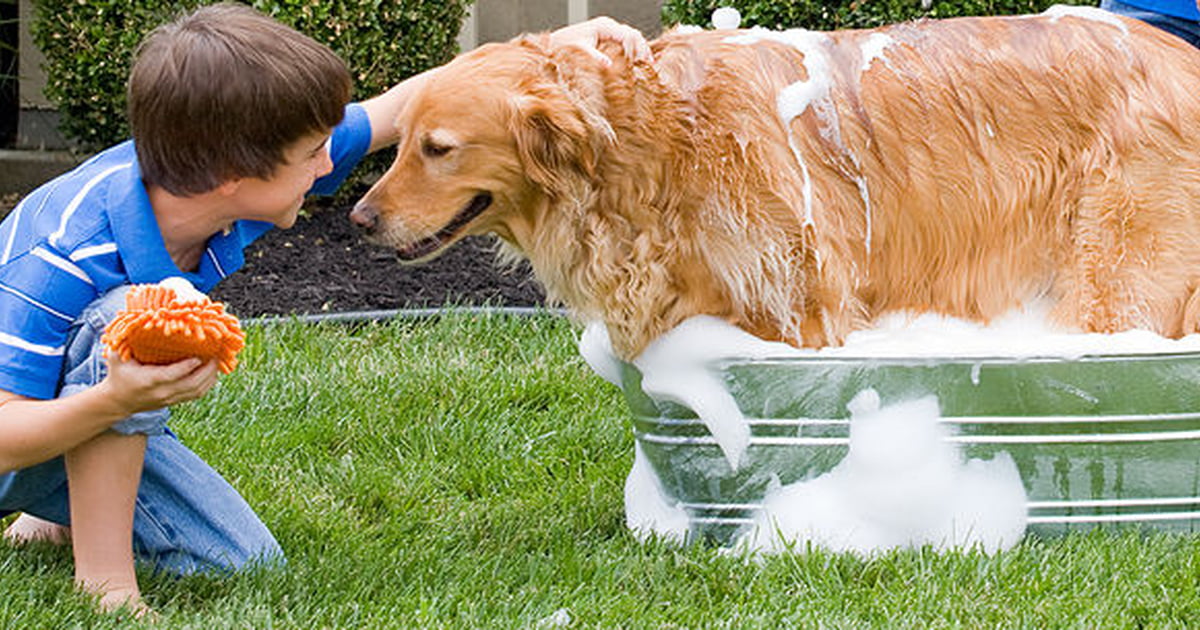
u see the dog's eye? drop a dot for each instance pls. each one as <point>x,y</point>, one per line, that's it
<point>432,149</point>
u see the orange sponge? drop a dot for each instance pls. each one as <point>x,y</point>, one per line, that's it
<point>158,326</point>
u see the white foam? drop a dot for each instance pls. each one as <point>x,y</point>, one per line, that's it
<point>814,93</point>
<point>1059,11</point>
<point>648,511</point>
<point>901,485</point>
<point>873,49</point>
<point>798,97</point>
<point>184,291</point>
<point>726,18</point>
<point>596,350</point>
<point>1021,333</point>
<point>675,368</point>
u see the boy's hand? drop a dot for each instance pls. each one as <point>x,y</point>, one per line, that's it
<point>141,387</point>
<point>589,34</point>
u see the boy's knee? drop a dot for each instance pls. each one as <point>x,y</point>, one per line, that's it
<point>250,548</point>
<point>104,308</point>
<point>84,339</point>
<point>85,365</point>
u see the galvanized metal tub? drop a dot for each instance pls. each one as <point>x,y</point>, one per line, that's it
<point>1110,441</point>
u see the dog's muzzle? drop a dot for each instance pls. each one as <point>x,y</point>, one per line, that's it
<point>431,244</point>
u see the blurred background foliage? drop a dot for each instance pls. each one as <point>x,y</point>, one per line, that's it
<point>823,15</point>
<point>89,46</point>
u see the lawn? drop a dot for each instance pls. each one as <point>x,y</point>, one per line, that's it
<point>467,472</point>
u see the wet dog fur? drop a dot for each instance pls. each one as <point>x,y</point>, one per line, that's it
<point>799,185</point>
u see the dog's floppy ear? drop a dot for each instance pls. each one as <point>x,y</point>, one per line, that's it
<point>553,143</point>
<point>560,125</point>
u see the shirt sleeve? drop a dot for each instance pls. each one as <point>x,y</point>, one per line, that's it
<point>347,146</point>
<point>40,298</point>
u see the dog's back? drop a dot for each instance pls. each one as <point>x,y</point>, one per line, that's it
<point>964,166</point>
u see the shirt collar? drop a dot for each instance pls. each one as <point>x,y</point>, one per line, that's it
<point>135,230</point>
<point>140,242</point>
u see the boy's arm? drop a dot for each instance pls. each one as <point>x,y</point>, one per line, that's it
<point>103,474</point>
<point>33,431</point>
<point>103,468</point>
<point>383,109</point>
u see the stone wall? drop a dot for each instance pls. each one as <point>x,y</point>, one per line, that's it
<point>499,20</point>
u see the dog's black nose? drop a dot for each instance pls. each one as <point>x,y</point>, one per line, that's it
<point>365,216</point>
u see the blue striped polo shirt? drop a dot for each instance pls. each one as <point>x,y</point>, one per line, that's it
<point>93,229</point>
<point>1179,8</point>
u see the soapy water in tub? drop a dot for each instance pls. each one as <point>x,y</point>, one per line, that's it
<point>901,484</point>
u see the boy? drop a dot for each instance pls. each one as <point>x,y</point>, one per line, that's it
<point>235,117</point>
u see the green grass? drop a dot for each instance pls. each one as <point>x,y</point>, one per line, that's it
<point>467,472</point>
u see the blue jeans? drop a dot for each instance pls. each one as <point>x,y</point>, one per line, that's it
<point>1189,30</point>
<point>187,519</point>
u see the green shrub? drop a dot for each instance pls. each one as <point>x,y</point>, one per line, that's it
<point>89,45</point>
<point>825,15</point>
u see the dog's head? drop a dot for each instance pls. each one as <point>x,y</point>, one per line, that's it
<point>484,143</point>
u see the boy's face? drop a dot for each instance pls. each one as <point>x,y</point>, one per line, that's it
<point>277,199</point>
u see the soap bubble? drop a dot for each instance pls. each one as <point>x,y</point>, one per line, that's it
<point>726,18</point>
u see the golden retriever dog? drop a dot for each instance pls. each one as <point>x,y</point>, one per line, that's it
<point>799,184</point>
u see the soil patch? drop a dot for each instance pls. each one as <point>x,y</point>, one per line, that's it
<point>323,265</point>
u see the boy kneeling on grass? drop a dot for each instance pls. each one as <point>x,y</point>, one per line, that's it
<point>235,118</point>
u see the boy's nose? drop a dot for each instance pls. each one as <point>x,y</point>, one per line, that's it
<point>325,165</point>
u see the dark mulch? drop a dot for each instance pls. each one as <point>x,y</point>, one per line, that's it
<point>322,265</point>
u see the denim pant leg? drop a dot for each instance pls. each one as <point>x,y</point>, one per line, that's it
<point>186,517</point>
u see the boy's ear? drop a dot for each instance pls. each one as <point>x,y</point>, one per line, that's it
<point>228,187</point>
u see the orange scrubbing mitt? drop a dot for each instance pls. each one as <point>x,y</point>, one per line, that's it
<point>161,325</point>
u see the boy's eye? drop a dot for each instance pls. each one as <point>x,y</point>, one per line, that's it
<point>432,149</point>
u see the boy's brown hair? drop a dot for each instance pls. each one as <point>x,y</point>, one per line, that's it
<point>220,93</point>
